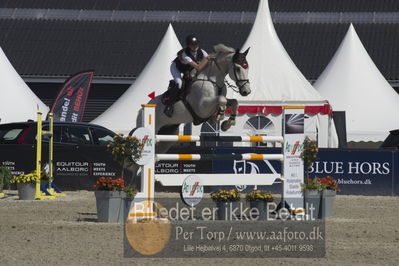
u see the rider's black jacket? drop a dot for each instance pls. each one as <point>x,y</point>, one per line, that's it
<point>187,68</point>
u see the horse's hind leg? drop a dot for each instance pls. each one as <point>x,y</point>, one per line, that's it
<point>232,119</point>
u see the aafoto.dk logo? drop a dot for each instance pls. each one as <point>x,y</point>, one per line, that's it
<point>294,148</point>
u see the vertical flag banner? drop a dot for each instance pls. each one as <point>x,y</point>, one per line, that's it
<point>293,164</point>
<point>71,100</point>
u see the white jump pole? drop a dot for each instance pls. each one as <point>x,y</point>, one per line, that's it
<point>188,138</point>
<point>144,199</point>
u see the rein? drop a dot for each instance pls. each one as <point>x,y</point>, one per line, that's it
<point>231,86</point>
<point>226,83</point>
<point>211,81</point>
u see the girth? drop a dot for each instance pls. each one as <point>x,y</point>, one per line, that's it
<point>196,119</point>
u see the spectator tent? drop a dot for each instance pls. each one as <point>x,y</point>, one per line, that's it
<point>152,81</point>
<point>276,82</point>
<point>17,102</point>
<point>352,83</point>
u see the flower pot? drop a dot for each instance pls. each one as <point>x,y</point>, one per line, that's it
<point>110,206</point>
<point>26,191</point>
<point>225,210</point>
<point>312,203</point>
<point>327,203</point>
<point>261,206</point>
<point>126,210</point>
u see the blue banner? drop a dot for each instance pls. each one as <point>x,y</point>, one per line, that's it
<point>358,172</point>
<point>249,167</point>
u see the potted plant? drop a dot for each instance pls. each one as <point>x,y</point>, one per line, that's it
<point>226,202</point>
<point>5,178</point>
<point>130,194</point>
<point>26,185</point>
<point>312,196</point>
<point>309,154</point>
<point>124,150</point>
<point>110,199</point>
<point>258,199</point>
<point>330,189</point>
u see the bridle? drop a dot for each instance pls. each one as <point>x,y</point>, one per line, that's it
<point>244,81</point>
<point>243,63</point>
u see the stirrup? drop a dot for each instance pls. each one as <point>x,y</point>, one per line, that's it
<point>169,110</point>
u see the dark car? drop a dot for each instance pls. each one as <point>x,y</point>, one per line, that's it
<point>392,141</point>
<point>64,133</point>
<point>80,153</point>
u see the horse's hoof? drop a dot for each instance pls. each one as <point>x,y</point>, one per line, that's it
<point>225,125</point>
<point>168,111</point>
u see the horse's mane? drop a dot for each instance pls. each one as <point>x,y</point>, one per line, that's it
<point>221,48</point>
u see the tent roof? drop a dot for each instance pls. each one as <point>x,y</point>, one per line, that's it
<point>121,116</point>
<point>352,83</point>
<point>17,102</point>
<point>273,75</point>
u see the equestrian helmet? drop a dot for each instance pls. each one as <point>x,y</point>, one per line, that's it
<point>191,40</point>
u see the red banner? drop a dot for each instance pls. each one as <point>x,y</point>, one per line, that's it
<point>71,100</point>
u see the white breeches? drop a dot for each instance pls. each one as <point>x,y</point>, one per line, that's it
<point>176,75</point>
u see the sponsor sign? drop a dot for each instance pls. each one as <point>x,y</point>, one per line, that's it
<point>248,167</point>
<point>293,164</point>
<point>73,168</point>
<point>147,145</point>
<point>359,172</point>
<point>71,100</point>
<point>192,190</point>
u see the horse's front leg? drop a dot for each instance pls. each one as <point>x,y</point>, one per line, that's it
<point>222,103</point>
<point>232,119</point>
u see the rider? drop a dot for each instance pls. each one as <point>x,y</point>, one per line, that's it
<point>189,58</point>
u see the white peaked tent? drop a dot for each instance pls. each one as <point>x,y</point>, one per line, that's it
<point>17,102</point>
<point>276,82</point>
<point>121,115</point>
<point>273,75</point>
<point>352,83</point>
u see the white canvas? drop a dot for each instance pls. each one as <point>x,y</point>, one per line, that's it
<point>121,115</point>
<point>17,102</point>
<point>275,80</point>
<point>352,83</point>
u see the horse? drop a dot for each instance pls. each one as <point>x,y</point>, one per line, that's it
<point>206,98</point>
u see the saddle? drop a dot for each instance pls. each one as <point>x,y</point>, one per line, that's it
<point>173,94</point>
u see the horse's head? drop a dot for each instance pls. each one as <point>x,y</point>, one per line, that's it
<point>239,72</point>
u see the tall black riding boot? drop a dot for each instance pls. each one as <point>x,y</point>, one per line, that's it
<point>173,97</point>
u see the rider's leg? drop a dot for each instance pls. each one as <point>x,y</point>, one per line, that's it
<point>176,75</point>
<point>174,92</point>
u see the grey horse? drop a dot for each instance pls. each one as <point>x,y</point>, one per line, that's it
<point>206,99</point>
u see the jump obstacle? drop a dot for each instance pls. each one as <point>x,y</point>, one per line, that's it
<point>148,176</point>
<point>50,190</point>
